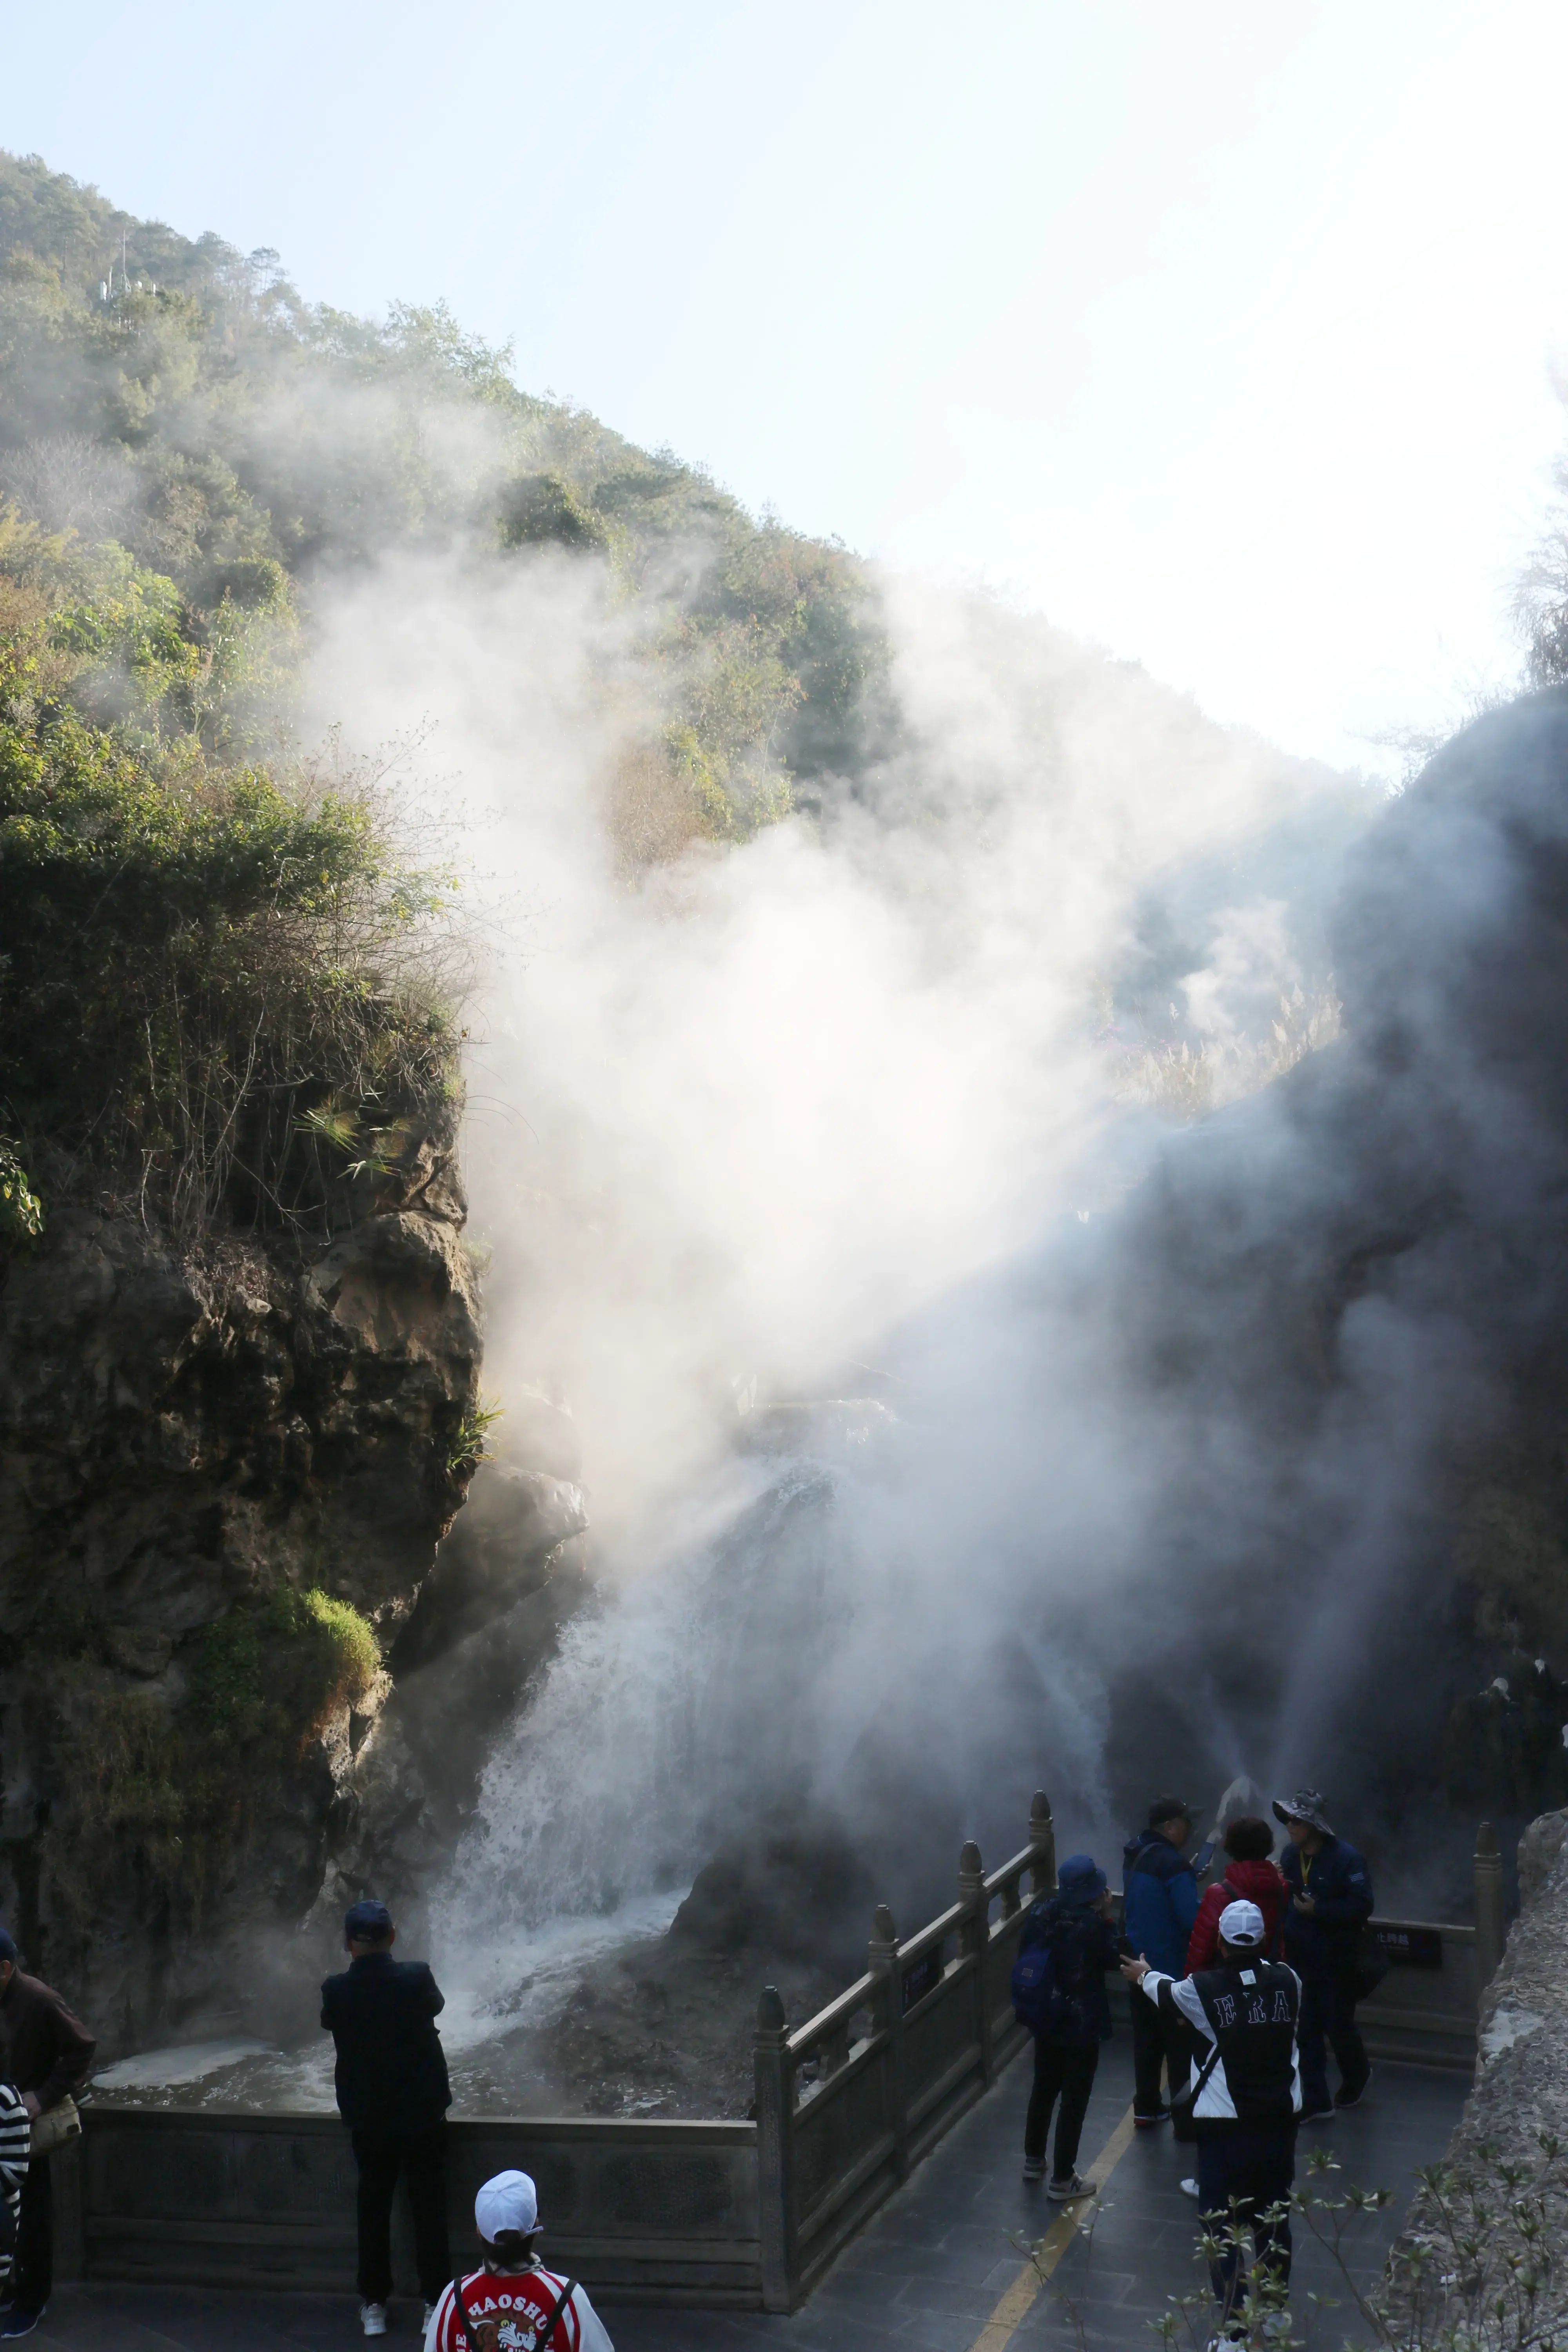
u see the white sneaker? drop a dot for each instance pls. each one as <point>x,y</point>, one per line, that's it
<point>373,2318</point>
<point>1065,2193</point>
<point>1190,2188</point>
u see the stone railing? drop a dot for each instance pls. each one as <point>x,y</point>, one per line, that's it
<point>645,2213</point>
<point>849,2101</point>
<point>1426,2006</point>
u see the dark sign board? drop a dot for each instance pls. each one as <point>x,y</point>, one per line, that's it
<point>1409,1948</point>
<point>920,1980</point>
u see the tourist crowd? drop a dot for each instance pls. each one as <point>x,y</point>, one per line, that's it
<point>1238,1992</point>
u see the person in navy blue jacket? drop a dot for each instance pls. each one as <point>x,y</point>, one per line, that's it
<point>1078,1924</point>
<point>1329,1903</point>
<point>393,2094</point>
<point>1160,1902</point>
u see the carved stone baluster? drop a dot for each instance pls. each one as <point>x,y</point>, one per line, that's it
<point>974,1942</point>
<point>775,2153</point>
<point>882,1959</point>
<point>1043,1838</point>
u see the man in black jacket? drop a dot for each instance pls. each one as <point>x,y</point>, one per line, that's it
<point>394,2094</point>
<point>1329,1903</point>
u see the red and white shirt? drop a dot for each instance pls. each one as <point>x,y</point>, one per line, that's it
<point>506,2313</point>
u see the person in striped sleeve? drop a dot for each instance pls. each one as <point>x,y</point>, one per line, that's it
<point>16,2139</point>
<point>513,2303</point>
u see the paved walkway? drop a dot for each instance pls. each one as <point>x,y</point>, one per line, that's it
<point>937,2271</point>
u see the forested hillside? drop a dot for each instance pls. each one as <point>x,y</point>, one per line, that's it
<point>187,452</point>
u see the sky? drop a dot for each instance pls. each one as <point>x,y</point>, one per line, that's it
<point>1226,336</point>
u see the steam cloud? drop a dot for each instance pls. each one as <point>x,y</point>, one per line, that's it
<point>829,1100</point>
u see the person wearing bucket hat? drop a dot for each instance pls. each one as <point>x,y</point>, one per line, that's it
<point>1160,1903</point>
<point>512,2303</point>
<point>1247,2099</point>
<point>1068,1945</point>
<point>1329,1903</point>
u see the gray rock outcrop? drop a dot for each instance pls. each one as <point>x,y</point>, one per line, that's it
<point>188,1438</point>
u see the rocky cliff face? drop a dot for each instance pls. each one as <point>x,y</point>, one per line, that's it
<point>1487,2263</point>
<point>222,1472</point>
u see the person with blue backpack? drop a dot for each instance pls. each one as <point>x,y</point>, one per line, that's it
<point>1058,1994</point>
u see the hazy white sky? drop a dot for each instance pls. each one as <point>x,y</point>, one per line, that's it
<point>1221,333</point>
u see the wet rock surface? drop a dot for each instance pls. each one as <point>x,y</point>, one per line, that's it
<point>1519,2098</point>
<point>182,1433</point>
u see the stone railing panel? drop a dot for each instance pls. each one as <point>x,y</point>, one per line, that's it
<point>840,2122</point>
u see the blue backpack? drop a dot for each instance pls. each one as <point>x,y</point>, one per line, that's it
<point>1039,2003</point>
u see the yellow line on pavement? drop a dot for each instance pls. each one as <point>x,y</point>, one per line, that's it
<point>1021,2295</point>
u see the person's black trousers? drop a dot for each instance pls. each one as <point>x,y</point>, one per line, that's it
<point>1327,2015</point>
<point>1065,2075</point>
<point>33,2272</point>
<point>1158,2040</point>
<point>421,2159</point>
<point>1243,2170</point>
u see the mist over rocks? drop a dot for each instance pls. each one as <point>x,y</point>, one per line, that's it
<point>1256,1467</point>
<point>1344,1303</point>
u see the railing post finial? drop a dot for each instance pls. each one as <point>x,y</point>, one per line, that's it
<point>769,2012</point>
<point>882,1928</point>
<point>1043,1838</point>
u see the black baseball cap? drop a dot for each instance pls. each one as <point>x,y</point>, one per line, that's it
<point>1171,1809</point>
<point>367,1923</point>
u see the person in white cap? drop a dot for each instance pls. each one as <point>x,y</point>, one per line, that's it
<point>513,2303</point>
<point>1248,2095</point>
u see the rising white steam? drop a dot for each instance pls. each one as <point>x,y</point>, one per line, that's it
<point>744,1125</point>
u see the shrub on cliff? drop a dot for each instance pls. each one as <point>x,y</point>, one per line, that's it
<point>175,1790</point>
<point>278,1674</point>
<point>193,406</point>
<point>216,994</point>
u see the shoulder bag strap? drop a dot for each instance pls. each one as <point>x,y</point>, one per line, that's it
<point>1188,2096</point>
<point>463,2316</point>
<point>562,2300</point>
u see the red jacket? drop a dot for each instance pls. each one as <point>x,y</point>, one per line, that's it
<point>1250,1882</point>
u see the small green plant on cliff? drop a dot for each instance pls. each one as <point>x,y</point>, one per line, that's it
<point>278,1673</point>
<point>470,1446</point>
<point>21,1211</point>
<point>176,1789</point>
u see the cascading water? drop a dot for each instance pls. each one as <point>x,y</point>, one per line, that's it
<point>643,1740</point>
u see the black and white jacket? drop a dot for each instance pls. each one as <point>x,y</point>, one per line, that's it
<point>1263,1986</point>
